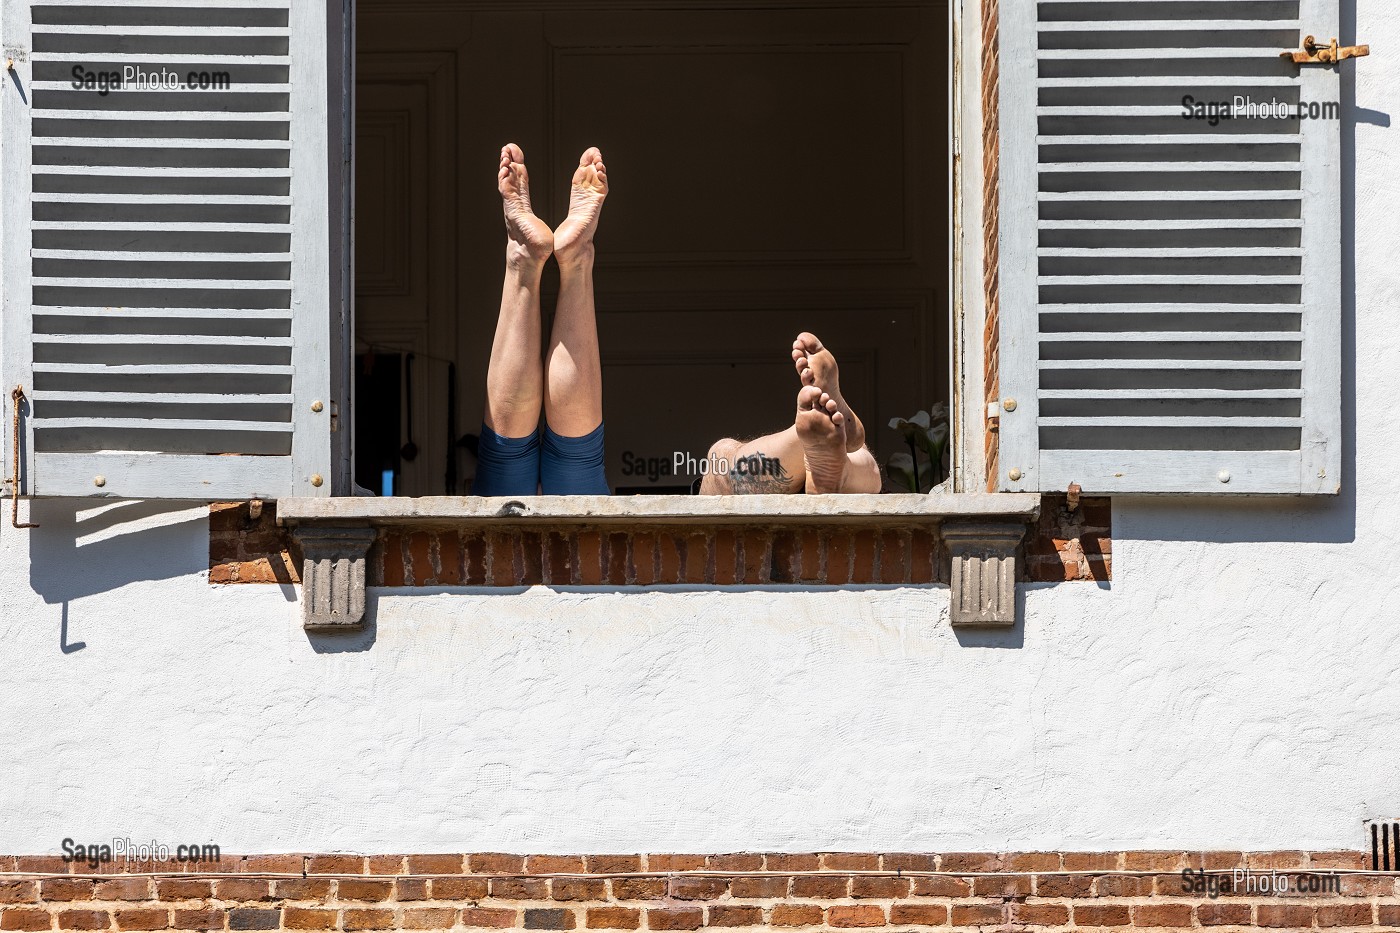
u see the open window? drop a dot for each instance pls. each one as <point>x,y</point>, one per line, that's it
<point>776,168</point>
<point>177,286</point>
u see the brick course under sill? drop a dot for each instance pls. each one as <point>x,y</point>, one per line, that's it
<point>432,542</point>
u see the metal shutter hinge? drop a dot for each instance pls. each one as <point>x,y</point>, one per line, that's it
<point>17,396</point>
<point>1314,54</point>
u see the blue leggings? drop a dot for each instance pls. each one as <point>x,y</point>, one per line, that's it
<point>543,463</point>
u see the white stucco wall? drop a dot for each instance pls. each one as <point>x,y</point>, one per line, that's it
<point>1234,687</point>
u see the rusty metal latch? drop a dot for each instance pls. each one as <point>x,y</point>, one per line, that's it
<point>1314,54</point>
<point>17,396</point>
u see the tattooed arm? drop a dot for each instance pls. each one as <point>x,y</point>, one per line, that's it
<point>758,473</point>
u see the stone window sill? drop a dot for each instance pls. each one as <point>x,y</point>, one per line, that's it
<point>969,541</point>
<point>875,510</point>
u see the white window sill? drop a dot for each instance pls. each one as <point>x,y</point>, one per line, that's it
<point>901,508</point>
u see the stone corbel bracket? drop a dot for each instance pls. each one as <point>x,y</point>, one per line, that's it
<point>333,576</point>
<point>983,572</point>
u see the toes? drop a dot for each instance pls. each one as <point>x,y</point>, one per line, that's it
<point>515,152</point>
<point>590,155</point>
<point>808,398</point>
<point>808,342</point>
<point>838,419</point>
<point>808,377</point>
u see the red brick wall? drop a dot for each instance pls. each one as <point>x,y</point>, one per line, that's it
<point>952,891</point>
<point>1066,546</point>
<point>1071,544</point>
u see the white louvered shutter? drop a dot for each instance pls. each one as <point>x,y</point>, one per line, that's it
<point>1170,290</point>
<point>166,270</point>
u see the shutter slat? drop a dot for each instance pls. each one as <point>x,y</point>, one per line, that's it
<point>1110,110</point>
<point>1049,6</point>
<point>1167,336</point>
<point>1184,279</point>
<point>134,256</point>
<point>1229,223</point>
<point>194,59</point>
<point>1171,139</point>
<point>183,398</point>
<point>161,171</point>
<point>1154,196</point>
<point>1050,167</point>
<point>1151,394</point>
<point>1214,54</point>
<point>63,197</point>
<point>163,369</point>
<point>1104,252</point>
<point>1226,82</point>
<point>168,283</point>
<point>183,116</point>
<point>1158,421</point>
<point>194,32</point>
<point>166,339</point>
<point>194,313</point>
<point>1145,364</point>
<point>1192,24</point>
<point>87,142</point>
<point>159,226</point>
<point>177,4</point>
<point>1184,307</point>
<point>162,424</point>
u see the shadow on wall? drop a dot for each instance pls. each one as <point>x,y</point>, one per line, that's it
<point>353,642</point>
<point>87,546</point>
<point>1320,520</point>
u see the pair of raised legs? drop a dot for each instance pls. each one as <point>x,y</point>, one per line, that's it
<point>561,383</point>
<point>822,452</point>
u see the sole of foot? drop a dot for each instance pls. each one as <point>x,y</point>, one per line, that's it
<point>822,429</point>
<point>573,239</point>
<point>817,367</point>
<point>530,237</point>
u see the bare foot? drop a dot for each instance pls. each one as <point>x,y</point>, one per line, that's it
<point>822,429</point>
<point>817,367</point>
<point>573,241</point>
<point>530,238</point>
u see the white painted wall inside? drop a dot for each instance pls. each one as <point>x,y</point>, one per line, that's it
<point>1233,688</point>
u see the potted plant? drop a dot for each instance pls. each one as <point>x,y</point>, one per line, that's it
<point>926,434</point>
